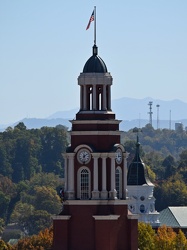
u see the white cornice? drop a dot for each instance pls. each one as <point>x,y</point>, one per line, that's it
<point>61,217</point>
<point>101,112</point>
<point>95,121</point>
<point>96,202</point>
<point>106,217</point>
<point>95,132</point>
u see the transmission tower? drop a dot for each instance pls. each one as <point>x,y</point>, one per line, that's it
<point>150,112</point>
<point>157,115</point>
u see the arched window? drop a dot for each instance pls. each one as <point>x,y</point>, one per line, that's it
<point>142,208</point>
<point>90,98</point>
<point>83,182</point>
<point>119,182</point>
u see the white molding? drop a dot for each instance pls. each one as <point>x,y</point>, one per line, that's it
<point>133,216</point>
<point>95,121</point>
<point>95,132</point>
<point>96,202</point>
<point>61,217</point>
<point>82,146</point>
<point>106,217</point>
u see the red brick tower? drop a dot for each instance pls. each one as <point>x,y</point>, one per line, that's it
<point>95,214</point>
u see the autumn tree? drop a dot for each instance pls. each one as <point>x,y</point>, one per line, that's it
<point>4,246</point>
<point>42,241</point>
<point>165,238</point>
<point>181,241</point>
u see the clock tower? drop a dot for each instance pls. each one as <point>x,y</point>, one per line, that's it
<point>95,214</point>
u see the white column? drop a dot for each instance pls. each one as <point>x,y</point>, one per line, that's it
<point>104,192</point>
<point>109,97</point>
<point>71,191</point>
<point>104,98</point>
<point>84,97</point>
<point>112,193</point>
<point>94,97</point>
<point>81,96</point>
<point>65,172</point>
<point>125,156</point>
<point>95,192</point>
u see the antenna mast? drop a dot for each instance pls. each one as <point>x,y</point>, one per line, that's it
<point>150,112</point>
<point>157,115</point>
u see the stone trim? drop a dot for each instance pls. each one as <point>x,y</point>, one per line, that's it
<point>95,121</point>
<point>106,217</point>
<point>95,132</point>
<point>96,202</point>
<point>61,217</point>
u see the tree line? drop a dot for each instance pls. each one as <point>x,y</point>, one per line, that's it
<point>31,171</point>
<point>165,238</point>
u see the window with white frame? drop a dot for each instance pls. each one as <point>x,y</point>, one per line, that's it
<point>119,182</point>
<point>83,183</point>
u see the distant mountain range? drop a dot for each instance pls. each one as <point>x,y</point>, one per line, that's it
<point>132,112</point>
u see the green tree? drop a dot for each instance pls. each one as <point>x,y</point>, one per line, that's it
<point>54,143</point>
<point>36,222</point>
<point>46,198</point>
<point>169,166</point>
<point>21,211</point>
<point>183,159</point>
<point>172,192</point>
<point>145,236</point>
<point>4,203</point>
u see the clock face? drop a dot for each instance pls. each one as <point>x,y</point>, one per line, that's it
<point>84,156</point>
<point>118,156</point>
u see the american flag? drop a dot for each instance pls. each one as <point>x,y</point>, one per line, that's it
<point>91,20</point>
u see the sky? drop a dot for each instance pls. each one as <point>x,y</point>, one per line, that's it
<point>44,46</point>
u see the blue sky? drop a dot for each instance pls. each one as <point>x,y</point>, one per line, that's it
<point>44,46</point>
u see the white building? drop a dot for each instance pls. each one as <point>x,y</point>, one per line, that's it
<point>140,191</point>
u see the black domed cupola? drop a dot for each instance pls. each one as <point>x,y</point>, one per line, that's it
<point>95,64</point>
<point>95,89</point>
<point>137,172</point>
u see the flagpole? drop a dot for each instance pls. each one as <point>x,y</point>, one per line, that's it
<point>94,25</point>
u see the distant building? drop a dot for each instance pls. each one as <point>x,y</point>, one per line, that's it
<point>140,191</point>
<point>179,126</point>
<point>175,217</point>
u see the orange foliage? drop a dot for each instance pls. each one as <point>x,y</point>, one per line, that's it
<point>42,241</point>
<point>165,238</point>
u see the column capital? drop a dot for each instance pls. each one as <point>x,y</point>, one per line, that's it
<point>64,155</point>
<point>112,155</point>
<point>104,155</point>
<point>126,155</point>
<point>95,155</point>
<point>70,155</point>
